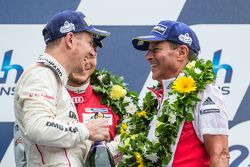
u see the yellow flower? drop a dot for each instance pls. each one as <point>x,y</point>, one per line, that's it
<point>142,114</point>
<point>124,126</point>
<point>117,92</point>
<point>138,158</point>
<point>122,131</point>
<point>191,64</point>
<point>184,85</point>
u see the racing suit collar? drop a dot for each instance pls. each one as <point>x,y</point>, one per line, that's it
<point>167,84</point>
<point>51,62</point>
<point>161,92</point>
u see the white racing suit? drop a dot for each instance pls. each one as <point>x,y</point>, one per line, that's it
<point>210,117</point>
<point>47,118</point>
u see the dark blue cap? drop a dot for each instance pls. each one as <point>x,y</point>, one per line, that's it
<point>69,21</point>
<point>173,31</point>
<point>98,40</point>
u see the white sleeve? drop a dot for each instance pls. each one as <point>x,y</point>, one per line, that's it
<point>19,152</point>
<point>211,116</point>
<point>41,123</point>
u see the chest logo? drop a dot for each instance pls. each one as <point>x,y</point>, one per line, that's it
<point>78,99</point>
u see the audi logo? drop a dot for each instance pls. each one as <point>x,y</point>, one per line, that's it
<point>78,99</point>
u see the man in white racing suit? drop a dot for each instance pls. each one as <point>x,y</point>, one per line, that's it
<point>45,114</point>
<point>203,142</point>
<point>77,85</point>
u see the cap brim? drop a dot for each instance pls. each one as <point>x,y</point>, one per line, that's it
<point>98,40</point>
<point>98,43</point>
<point>98,32</point>
<point>142,42</point>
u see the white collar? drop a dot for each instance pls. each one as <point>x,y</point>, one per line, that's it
<point>166,85</point>
<point>79,89</point>
<point>51,62</point>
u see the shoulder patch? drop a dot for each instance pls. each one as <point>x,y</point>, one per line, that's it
<point>208,101</point>
<point>210,110</point>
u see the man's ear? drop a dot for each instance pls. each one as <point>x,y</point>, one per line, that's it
<point>183,52</point>
<point>68,40</point>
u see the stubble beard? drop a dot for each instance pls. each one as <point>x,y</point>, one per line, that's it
<point>77,81</point>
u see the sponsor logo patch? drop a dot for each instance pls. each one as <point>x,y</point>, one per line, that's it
<point>72,115</point>
<point>41,95</point>
<point>96,110</point>
<point>67,27</point>
<point>61,127</point>
<point>170,85</point>
<point>208,101</point>
<point>211,110</point>
<point>185,38</point>
<point>160,29</point>
<point>140,42</point>
<point>78,99</point>
<point>49,63</point>
<point>90,116</point>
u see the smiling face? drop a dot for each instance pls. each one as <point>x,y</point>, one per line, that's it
<point>89,66</point>
<point>166,61</point>
<point>82,46</point>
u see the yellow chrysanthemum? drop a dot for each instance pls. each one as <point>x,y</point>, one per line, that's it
<point>138,158</point>
<point>122,131</point>
<point>184,85</point>
<point>191,64</point>
<point>124,126</point>
<point>142,114</point>
<point>117,92</point>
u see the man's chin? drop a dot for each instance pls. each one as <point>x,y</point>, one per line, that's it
<point>80,81</point>
<point>154,77</point>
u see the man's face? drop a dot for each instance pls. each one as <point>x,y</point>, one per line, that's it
<point>163,60</point>
<point>88,67</point>
<point>82,48</point>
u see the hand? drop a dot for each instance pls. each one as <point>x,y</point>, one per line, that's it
<point>98,129</point>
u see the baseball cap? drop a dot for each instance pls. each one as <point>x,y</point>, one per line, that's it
<point>98,40</point>
<point>173,31</point>
<point>69,21</point>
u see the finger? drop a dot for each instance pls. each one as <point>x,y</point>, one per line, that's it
<point>107,136</point>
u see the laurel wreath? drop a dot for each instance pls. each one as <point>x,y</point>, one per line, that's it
<point>114,93</point>
<point>137,150</point>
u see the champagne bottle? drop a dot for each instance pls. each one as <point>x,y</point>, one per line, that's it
<point>99,156</point>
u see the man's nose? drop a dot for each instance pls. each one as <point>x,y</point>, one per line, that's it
<point>148,55</point>
<point>92,52</point>
<point>86,59</point>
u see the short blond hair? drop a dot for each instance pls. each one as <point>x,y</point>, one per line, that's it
<point>54,44</point>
